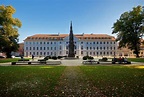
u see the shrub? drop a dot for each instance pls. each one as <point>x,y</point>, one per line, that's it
<point>104,59</point>
<point>65,56</point>
<point>90,58</point>
<point>54,57</point>
<point>85,57</point>
<point>59,57</point>
<point>46,58</point>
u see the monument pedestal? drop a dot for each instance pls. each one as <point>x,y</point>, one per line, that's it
<point>71,58</point>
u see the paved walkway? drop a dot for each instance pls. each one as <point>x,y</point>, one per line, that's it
<point>74,62</point>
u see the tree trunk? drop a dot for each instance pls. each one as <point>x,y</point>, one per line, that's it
<point>137,55</point>
<point>8,54</point>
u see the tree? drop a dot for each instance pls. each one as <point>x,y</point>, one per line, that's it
<point>130,29</point>
<point>8,30</point>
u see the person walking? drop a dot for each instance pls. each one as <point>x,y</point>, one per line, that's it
<point>32,57</point>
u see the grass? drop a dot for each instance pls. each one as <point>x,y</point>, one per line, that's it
<point>136,59</point>
<point>5,60</point>
<point>39,81</point>
<point>28,81</point>
<point>118,81</point>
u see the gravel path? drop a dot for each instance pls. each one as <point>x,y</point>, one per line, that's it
<point>73,83</point>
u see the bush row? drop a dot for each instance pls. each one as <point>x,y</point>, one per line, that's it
<point>103,59</point>
<point>54,57</point>
<point>88,57</point>
<point>91,58</point>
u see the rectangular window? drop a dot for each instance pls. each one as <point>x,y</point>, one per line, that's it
<point>87,48</point>
<point>81,47</point>
<point>26,48</point>
<point>66,47</point>
<point>82,52</point>
<point>104,53</point>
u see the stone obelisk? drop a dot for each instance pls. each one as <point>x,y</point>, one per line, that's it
<point>71,43</point>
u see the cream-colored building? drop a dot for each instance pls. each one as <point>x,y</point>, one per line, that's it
<point>57,45</point>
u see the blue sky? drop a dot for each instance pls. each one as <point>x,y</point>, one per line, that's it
<point>54,16</point>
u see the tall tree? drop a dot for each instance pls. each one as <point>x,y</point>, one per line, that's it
<point>8,30</point>
<point>130,29</point>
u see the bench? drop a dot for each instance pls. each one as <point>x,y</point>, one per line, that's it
<point>20,62</point>
<point>90,62</point>
<point>120,61</point>
<point>36,62</point>
<point>53,62</point>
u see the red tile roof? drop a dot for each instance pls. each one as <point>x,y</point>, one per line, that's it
<point>61,36</point>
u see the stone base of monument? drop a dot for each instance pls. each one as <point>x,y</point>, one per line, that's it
<point>72,58</point>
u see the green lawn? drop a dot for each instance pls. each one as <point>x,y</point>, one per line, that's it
<point>118,81</point>
<point>136,59</point>
<point>28,81</point>
<point>39,81</point>
<point>5,60</point>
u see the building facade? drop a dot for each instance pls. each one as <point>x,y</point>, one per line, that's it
<point>58,45</point>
